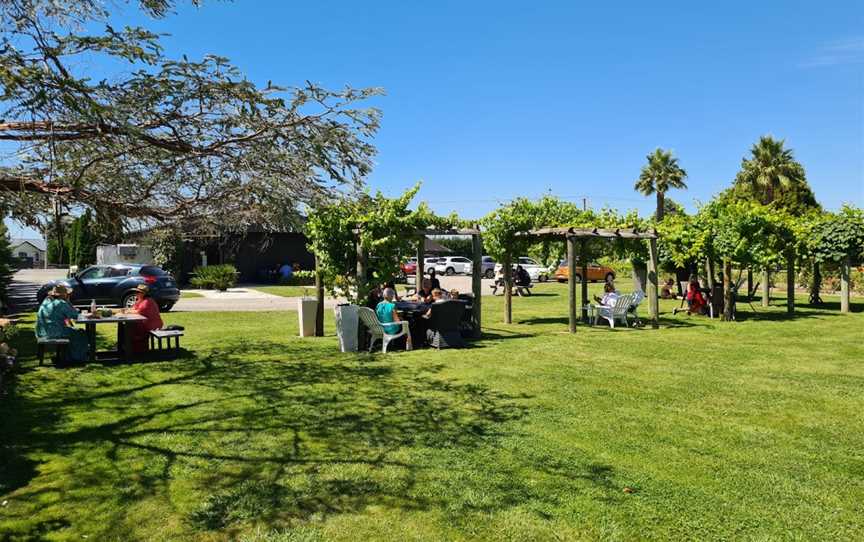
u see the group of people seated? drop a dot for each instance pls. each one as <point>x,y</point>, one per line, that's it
<point>56,320</point>
<point>521,280</point>
<point>383,301</point>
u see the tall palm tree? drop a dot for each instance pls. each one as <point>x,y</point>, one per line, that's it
<point>661,173</point>
<point>770,169</point>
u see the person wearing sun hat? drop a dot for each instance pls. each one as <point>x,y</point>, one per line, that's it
<point>149,309</point>
<point>52,322</point>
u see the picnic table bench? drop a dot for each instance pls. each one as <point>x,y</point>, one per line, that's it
<point>58,346</point>
<point>157,335</point>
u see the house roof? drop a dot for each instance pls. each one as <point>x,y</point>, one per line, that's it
<point>38,244</point>
<point>431,246</point>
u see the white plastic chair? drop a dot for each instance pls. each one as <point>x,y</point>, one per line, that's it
<point>376,329</point>
<point>617,312</point>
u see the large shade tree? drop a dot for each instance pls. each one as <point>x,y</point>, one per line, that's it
<point>161,139</point>
<point>658,176</point>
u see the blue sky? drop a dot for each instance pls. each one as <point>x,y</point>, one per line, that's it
<point>491,100</point>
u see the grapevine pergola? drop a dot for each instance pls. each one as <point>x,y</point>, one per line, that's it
<point>580,236</point>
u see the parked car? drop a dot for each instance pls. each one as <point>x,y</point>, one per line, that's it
<point>452,265</point>
<point>409,267</point>
<point>115,285</point>
<point>537,272</point>
<point>596,273</point>
<point>487,267</point>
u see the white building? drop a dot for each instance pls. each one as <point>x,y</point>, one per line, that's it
<point>29,249</point>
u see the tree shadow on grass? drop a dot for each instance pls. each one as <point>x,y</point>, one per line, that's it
<point>259,431</point>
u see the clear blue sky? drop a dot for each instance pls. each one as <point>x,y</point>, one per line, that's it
<point>491,100</point>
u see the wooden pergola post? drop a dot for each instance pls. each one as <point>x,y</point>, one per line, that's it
<point>476,284</point>
<point>508,287</point>
<point>766,287</point>
<point>790,282</point>
<point>319,294</point>
<point>418,272</point>
<point>844,284</point>
<point>652,293</point>
<point>583,256</point>
<point>571,282</point>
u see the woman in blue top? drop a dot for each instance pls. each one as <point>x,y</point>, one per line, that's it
<point>51,323</point>
<point>388,316</point>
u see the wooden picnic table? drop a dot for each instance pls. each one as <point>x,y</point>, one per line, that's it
<point>123,344</point>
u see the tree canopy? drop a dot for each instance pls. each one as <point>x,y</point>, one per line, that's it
<point>840,236</point>
<point>162,139</point>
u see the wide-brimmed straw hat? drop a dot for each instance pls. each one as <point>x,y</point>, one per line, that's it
<point>59,290</point>
<point>143,288</point>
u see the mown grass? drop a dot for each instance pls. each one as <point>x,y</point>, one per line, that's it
<point>287,291</point>
<point>716,430</point>
<point>189,295</point>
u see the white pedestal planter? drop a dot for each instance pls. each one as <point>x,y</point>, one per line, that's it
<point>346,327</point>
<point>307,310</point>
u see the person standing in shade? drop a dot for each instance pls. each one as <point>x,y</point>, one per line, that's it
<point>434,280</point>
<point>286,272</point>
<point>52,322</point>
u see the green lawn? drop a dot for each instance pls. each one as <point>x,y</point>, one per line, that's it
<point>287,291</point>
<point>189,295</point>
<point>747,430</point>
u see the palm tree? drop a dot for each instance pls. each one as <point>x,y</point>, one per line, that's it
<point>770,170</point>
<point>661,173</point>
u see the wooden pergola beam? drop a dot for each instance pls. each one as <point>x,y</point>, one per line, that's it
<point>601,233</point>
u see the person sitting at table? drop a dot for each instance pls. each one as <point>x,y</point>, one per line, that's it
<point>52,322</point>
<point>424,294</point>
<point>435,282</point>
<point>389,316</point>
<point>392,285</point>
<point>438,296</point>
<point>146,307</point>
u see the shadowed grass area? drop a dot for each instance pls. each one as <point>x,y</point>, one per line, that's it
<point>719,430</point>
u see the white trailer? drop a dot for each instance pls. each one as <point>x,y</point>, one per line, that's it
<point>113,254</point>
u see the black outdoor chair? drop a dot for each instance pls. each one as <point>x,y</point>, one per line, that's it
<point>444,324</point>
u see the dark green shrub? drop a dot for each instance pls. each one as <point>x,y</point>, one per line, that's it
<point>214,277</point>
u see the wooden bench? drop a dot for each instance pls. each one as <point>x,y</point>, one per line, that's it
<point>58,345</point>
<point>157,335</point>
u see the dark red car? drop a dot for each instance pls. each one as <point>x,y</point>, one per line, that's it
<point>409,267</point>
